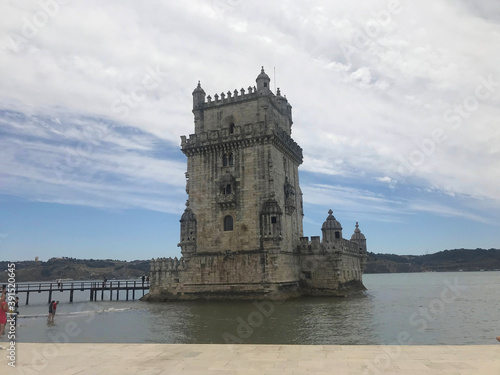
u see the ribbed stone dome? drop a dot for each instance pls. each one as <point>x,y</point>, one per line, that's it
<point>331,222</point>
<point>187,215</point>
<point>271,207</point>
<point>357,235</point>
<point>198,89</point>
<point>263,75</point>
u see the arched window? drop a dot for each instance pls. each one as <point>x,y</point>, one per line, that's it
<point>224,160</point>
<point>231,129</point>
<point>337,234</point>
<point>228,189</point>
<point>231,159</point>
<point>228,223</point>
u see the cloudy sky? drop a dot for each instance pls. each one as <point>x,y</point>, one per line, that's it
<point>396,105</point>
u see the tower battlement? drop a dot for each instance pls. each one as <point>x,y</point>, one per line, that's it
<point>242,136</point>
<point>229,98</point>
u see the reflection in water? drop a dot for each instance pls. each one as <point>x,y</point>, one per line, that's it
<point>299,321</point>
<point>425,308</point>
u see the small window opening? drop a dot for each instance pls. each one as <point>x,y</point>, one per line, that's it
<point>224,160</point>
<point>231,129</point>
<point>265,84</point>
<point>337,235</point>
<point>228,189</point>
<point>273,220</point>
<point>231,159</point>
<point>228,223</point>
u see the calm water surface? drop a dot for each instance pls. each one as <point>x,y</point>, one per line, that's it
<point>420,308</point>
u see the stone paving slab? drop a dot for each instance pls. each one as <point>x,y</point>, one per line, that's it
<point>181,359</point>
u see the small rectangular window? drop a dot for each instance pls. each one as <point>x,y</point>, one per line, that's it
<point>273,220</point>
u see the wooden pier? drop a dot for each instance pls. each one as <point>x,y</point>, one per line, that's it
<point>95,288</point>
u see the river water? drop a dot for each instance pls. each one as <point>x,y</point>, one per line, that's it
<point>421,309</point>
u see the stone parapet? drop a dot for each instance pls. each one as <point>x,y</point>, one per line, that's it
<point>242,136</point>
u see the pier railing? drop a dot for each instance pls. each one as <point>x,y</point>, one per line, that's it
<point>94,287</point>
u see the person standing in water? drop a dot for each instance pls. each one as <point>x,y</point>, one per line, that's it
<point>50,318</point>
<point>4,308</point>
<point>54,307</point>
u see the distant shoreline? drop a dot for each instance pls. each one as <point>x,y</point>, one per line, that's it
<point>457,260</point>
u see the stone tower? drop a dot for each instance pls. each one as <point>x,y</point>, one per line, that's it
<point>242,173</point>
<point>241,232</point>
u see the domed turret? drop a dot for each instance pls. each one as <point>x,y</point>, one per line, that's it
<point>332,229</point>
<point>198,97</point>
<point>187,215</point>
<point>270,220</point>
<point>188,232</point>
<point>359,238</point>
<point>263,81</point>
<point>357,235</point>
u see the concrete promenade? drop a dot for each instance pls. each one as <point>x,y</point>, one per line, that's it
<point>110,359</point>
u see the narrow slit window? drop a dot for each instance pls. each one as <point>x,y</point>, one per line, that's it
<point>228,223</point>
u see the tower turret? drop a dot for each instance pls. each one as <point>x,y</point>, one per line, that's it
<point>332,229</point>
<point>359,238</point>
<point>188,232</point>
<point>198,97</point>
<point>263,81</point>
<point>198,106</point>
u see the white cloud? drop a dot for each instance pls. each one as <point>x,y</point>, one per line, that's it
<point>386,179</point>
<point>355,116</point>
